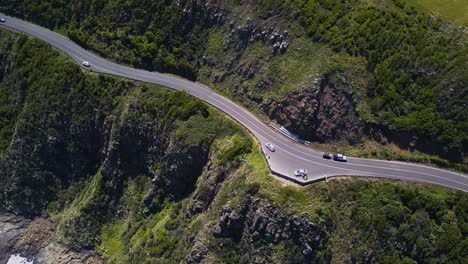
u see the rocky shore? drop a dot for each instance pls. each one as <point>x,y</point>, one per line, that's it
<point>36,241</point>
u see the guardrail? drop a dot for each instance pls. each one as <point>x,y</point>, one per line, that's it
<point>288,134</point>
<point>298,180</point>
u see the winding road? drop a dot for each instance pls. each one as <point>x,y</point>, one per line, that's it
<point>288,155</point>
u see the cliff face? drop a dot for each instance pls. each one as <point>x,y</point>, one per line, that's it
<point>35,239</point>
<point>256,223</point>
<point>11,229</point>
<point>326,111</point>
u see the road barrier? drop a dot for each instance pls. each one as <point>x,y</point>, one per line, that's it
<point>297,179</point>
<point>290,135</point>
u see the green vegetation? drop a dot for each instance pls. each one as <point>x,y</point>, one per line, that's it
<point>454,10</point>
<point>44,104</point>
<point>132,208</point>
<point>142,238</point>
<point>406,66</point>
<point>377,221</point>
<point>381,221</point>
<point>80,219</point>
<point>411,62</point>
<point>67,118</point>
<point>236,146</point>
<point>8,111</point>
<point>390,222</point>
<point>305,62</point>
<point>215,44</point>
<point>199,130</point>
<point>153,35</point>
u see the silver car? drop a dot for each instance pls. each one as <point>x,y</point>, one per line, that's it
<point>270,146</point>
<point>340,157</point>
<point>86,64</point>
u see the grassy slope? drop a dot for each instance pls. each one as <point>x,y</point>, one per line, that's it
<point>304,62</point>
<point>455,10</point>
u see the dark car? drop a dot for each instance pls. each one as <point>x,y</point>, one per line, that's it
<point>327,155</point>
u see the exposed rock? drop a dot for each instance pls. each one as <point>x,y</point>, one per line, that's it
<point>37,236</point>
<point>177,177</point>
<point>320,113</point>
<point>56,253</point>
<point>196,255</point>
<point>263,85</point>
<point>276,47</point>
<point>258,220</point>
<point>208,186</point>
<point>36,240</point>
<point>283,47</point>
<point>202,13</point>
<point>245,32</point>
<point>246,71</point>
<point>251,31</point>
<point>11,228</point>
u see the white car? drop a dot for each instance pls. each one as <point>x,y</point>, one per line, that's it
<point>270,146</point>
<point>340,157</point>
<point>86,64</point>
<point>300,172</point>
<point>2,20</point>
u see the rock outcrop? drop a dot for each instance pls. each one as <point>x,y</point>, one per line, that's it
<point>202,12</point>
<point>36,240</point>
<point>323,112</point>
<point>11,229</point>
<point>257,226</point>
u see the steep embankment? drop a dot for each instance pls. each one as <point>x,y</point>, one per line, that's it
<point>140,174</point>
<point>353,72</point>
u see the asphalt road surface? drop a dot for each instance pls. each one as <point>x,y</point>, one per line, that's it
<point>288,155</point>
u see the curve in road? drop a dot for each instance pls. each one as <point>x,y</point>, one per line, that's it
<point>288,155</point>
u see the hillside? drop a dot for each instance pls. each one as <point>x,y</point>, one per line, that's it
<point>105,169</point>
<point>372,78</point>
<point>455,10</point>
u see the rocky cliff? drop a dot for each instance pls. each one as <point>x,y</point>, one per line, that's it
<point>326,111</point>
<point>36,240</point>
